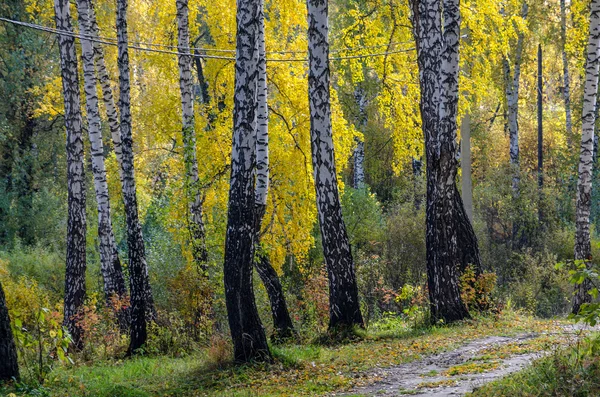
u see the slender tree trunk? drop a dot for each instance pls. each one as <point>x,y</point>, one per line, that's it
<point>193,194</point>
<point>249,340</point>
<point>107,94</point>
<point>540,136</point>
<point>512,100</point>
<point>76,224</point>
<point>566,78</point>
<point>359,151</point>
<point>344,308</point>
<point>512,83</point>
<point>359,165</point>
<point>583,249</point>
<point>141,303</point>
<point>110,265</point>
<point>437,55</point>
<point>282,322</point>
<point>465,164</point>
<point>9,366</point>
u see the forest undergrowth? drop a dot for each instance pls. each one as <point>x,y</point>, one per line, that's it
<point>303,369</point>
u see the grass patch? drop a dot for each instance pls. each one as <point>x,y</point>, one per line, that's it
<point>440,383</point>
<point>471,368</point>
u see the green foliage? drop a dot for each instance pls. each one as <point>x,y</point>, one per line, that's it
<point>363,218</point>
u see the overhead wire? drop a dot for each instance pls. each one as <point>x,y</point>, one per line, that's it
<point>139,46</point>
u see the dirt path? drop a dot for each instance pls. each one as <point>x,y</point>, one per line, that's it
<point>459,371</point>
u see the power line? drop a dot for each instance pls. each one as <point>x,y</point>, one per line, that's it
<point>139,46</point>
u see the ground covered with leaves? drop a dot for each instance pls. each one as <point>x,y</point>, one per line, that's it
<point>303,369</point>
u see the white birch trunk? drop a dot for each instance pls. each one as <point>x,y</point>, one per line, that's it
<point>109,257</point>
<point>359,151</point>
<point>512,100</point>
<point>262,120</point>
<point>359,165</point>
<point>437,54</point>
<point>344,309</point>
<point>583,249</point>
<point>107,93</point>
<point>186,86</point>
<point>247,333</point>
<point>282,322</point>
<point>76,223</point>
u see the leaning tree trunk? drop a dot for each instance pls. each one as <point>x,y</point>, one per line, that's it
<point>344,308</point>
<point>110,265</point>
<point>566,77</point>
<point>583,248</point>
<point>107,94</point>
<point>192,188</point>
<point>247,332</point>
<point>9,367</point>
<point>76,224</point>
<point>141,302</point>
<point>437,56</point>
<point>282,322</point>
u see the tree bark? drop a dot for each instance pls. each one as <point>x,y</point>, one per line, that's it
<point>107,94</point>
<point>114,284</point>
<point>583,248</point>
<point>282,322</point>
<point>566,77</point>
<point>193,193</point>
<point>437,56</point>
<point>344,308</point>
<point>9,366</point>
<point>249,340</point>
<point>141,296</point>
<point>512,100</point>
<point>359,151</point>
<point>76,223</point>
<point>359,165</point>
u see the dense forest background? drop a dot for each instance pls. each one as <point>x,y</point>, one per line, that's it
<point>377,131</point>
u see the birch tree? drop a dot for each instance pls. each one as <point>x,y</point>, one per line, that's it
<point>437,56</point>
<point>344,308</point>
<point>107,93</point>
<point>138,269</point>
<point>583,248</point>
<point>282,322</point>
<point>512,102</point>
<point>359,151</point>
<point>247,332</point>
<point>192,185</point>
<point>9,366</point>
<point>76,222</point>
<point>110,265</point>
<point>566,76</point>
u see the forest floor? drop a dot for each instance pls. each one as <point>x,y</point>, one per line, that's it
<point>396,359</point>
<point>468,367</point>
